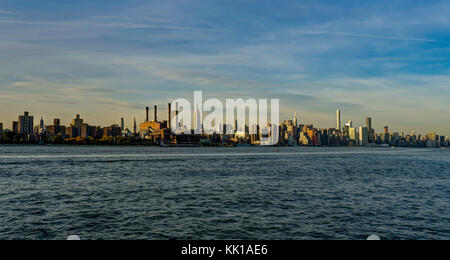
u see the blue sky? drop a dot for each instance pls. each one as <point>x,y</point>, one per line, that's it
<point>109,59</point>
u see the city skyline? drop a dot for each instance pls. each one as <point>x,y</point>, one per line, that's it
<point>389,61</point>
<point>131,122</point>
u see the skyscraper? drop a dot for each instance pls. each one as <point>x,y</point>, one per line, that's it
<point>122,124</point>
<point>15,127</point>
<point>25,124</point>
<point>197,121</point>
<point>370,129</point>
<point>295,120</point>
<point>41,128</point>
<point>338,115</point>
<point>349,123</point>
<point>352,134</point>
<point>134,127</point>
<point>369,123</point>
<point>363,135</point>
<point>77,121</point>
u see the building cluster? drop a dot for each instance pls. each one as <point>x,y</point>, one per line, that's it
<point>41,133</point>
<point>159,132</point>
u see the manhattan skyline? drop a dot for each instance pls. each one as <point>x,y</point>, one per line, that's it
<point>386,60</point>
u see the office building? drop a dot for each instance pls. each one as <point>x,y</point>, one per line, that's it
<point>370,129</point>
<point>112,131</point>
<point>25,124</point>
<point>338,115</point>
<point>56,128</point>
<point>363,136</point>
<point>77,121</point>
<point>15,127</point>
<point>352,134</point>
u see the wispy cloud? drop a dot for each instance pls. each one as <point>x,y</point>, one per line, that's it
<point>124,25</point>
<point>368,59</point>
<point>6,12</point>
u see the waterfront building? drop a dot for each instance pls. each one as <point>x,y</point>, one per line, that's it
<point>349,124</point>
<point>338,115</point>
<point>56,128</point>
<point>363,136</point>
<point>87,131</point>
<point>147,126</point>
<point>15,127</point>
<point>352,134</point>
<point>370,130</point>
<point>41,128</point>
<point>25,124</point>
<point>73,132</point>
<point>77,122</point>
<point>112,131</point>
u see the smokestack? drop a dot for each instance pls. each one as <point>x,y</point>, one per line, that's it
<point>156,113</point>
<point>122,124</point>
<point>176,115</point>
<point>147,109</point>
<point>169,116</point>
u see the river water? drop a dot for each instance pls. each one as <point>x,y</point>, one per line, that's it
<point>100,192</point>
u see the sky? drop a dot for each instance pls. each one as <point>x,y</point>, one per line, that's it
<point>109,59</point>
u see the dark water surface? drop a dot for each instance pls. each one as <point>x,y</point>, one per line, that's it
<point>223,193</point>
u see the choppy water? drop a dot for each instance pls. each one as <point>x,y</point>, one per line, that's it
<point>223,193</point>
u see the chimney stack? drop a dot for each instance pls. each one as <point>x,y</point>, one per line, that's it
<point>169,116</point>
<point>176,115</point>
<point>156,113</point>
<point>147,109</point>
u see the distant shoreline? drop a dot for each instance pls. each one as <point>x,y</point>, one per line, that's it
<point>213,146</point>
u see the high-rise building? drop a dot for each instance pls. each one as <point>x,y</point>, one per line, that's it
<point>338,115</point>
<point>56,128</point>
<point>363,136</point>
<point>41,128</point>
<point>25,124</point>
<point>295,120</point>
<point>77,121</point>
<point>15,127</point>
<point>112,131</point>
<point>122,124</point>
<point>370,129</point>
<point>134,127</point>
<point>349,123</point>
<point>369,123</point>
<point>197,121</point>
<point>432,136</point>
<point>353,134</point>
